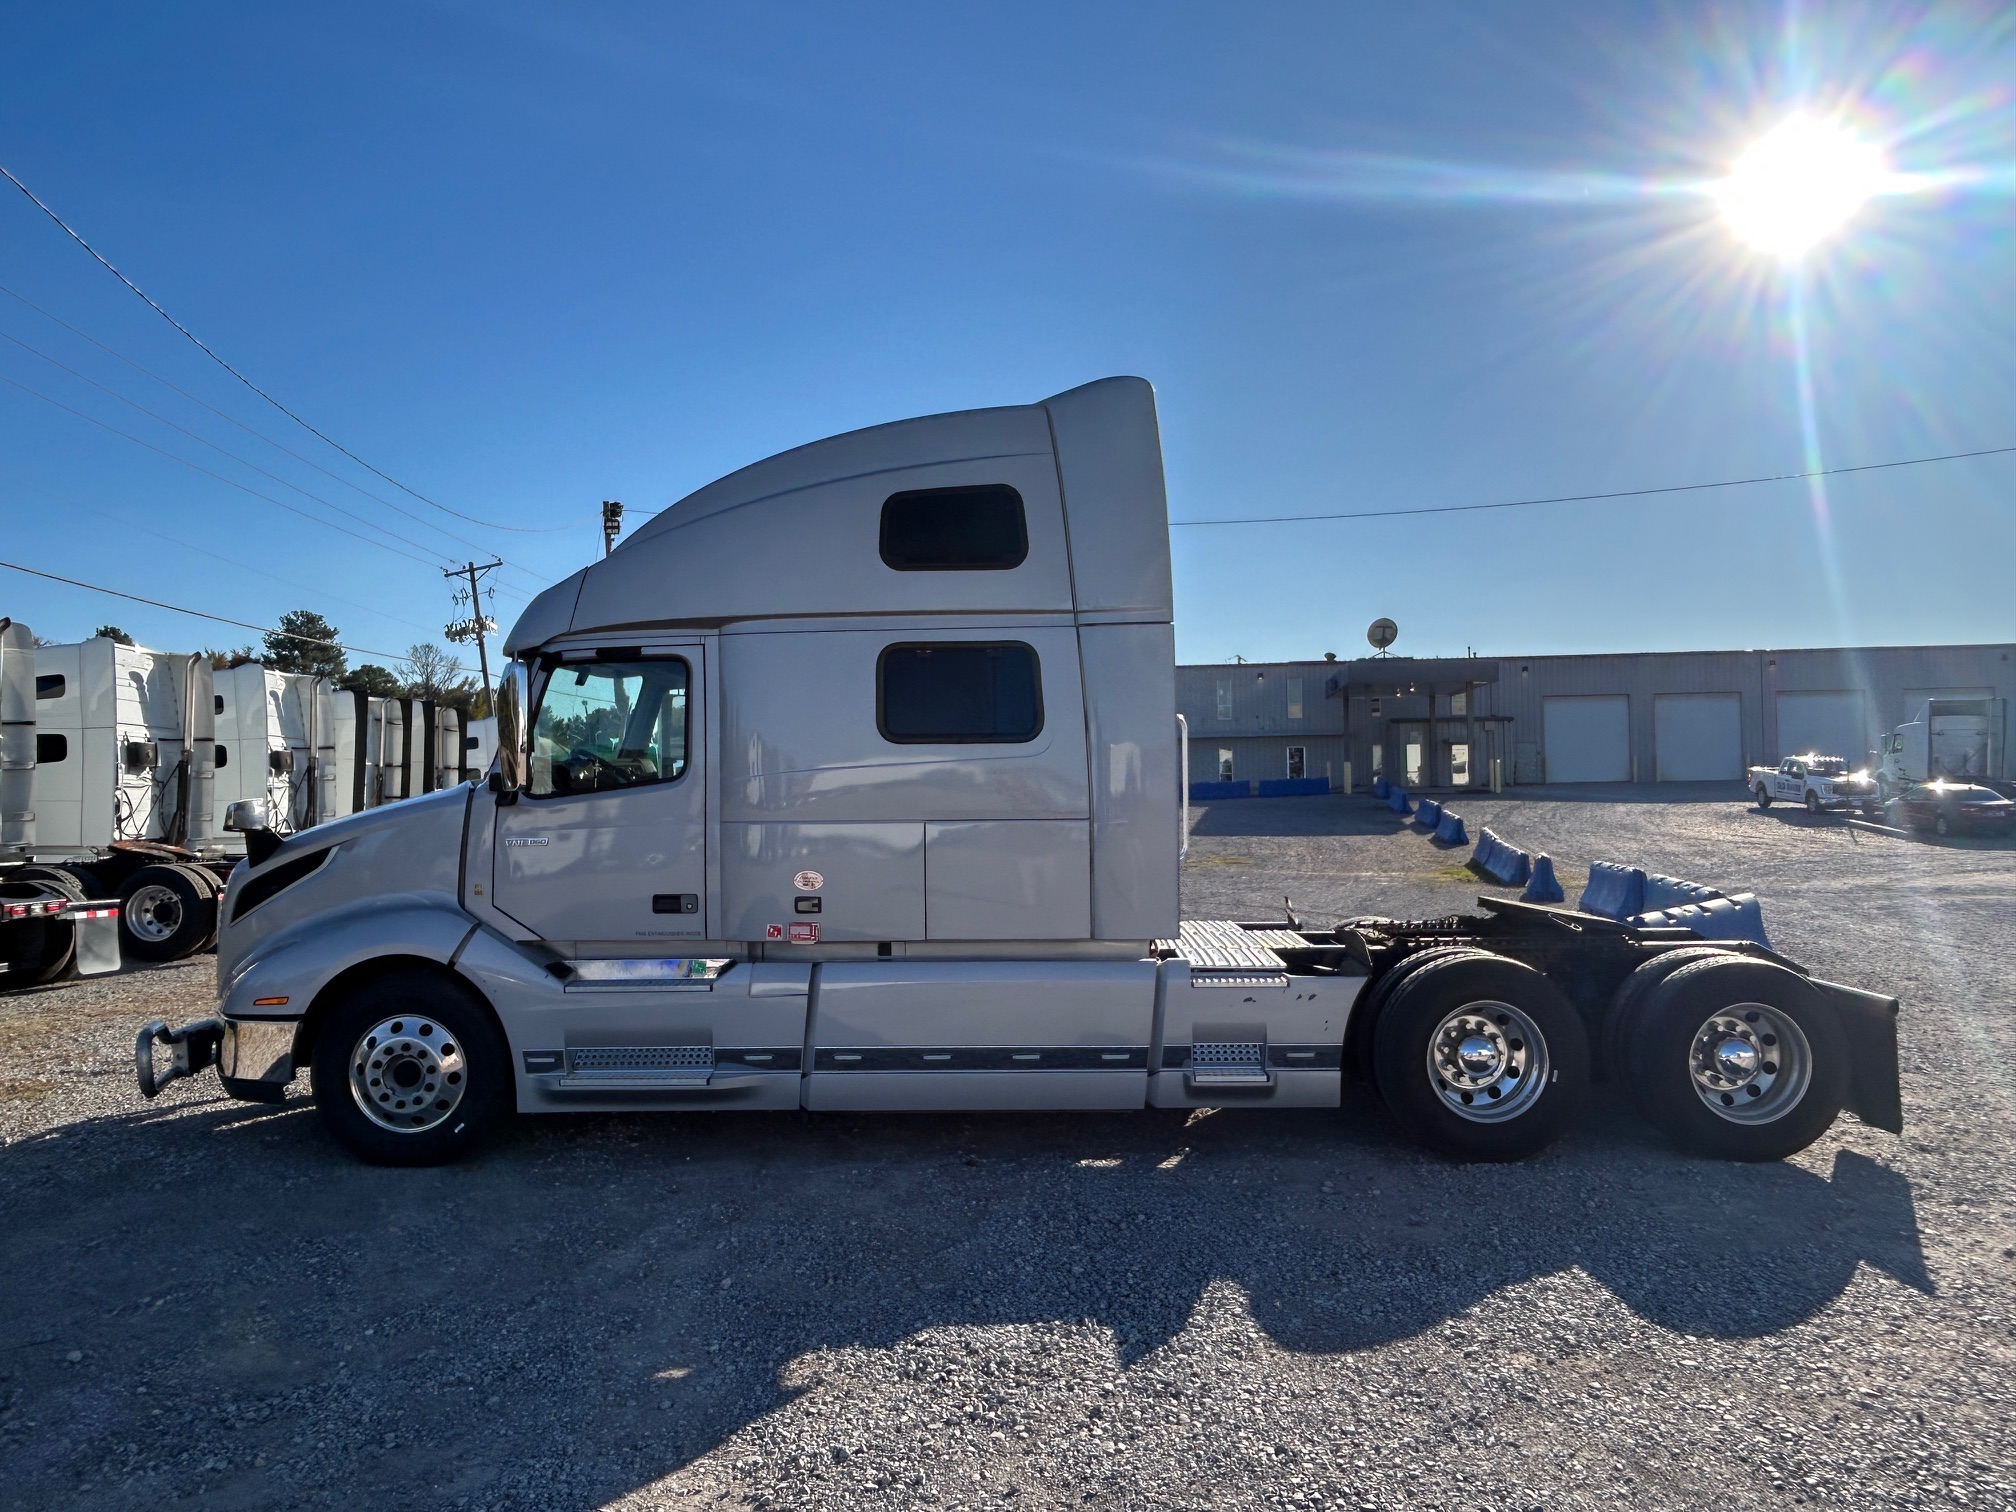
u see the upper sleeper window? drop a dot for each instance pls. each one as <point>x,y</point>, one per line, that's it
<point>955,530</point>
<point>49,685</point>
<point>961,692</point>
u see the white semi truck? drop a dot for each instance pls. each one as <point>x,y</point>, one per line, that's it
<point>1959,738</point>
<point>852,781</point>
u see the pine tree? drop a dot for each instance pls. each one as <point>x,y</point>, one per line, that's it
<point>305,642</point>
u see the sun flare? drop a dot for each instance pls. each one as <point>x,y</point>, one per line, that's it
<point>1799,184</point>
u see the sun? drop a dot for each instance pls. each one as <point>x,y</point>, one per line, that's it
<point>1799,184</point>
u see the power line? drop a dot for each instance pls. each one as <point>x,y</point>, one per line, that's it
<point>228,482</point>
<point>1626,493</point>
<point>231,419</point>
<point>306,640</point>
<point>207,352</point>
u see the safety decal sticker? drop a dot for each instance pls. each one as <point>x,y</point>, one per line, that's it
<point>804,934</point>
<point>773,931</point>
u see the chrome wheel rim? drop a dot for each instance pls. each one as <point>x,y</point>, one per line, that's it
<point>407,1074</point>
<point>1488,1062</point>
<point>1751,1063</point>
<point>153,913</point>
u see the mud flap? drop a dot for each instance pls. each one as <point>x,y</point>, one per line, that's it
<point>1870,1022</point>
<point>190,1049</point>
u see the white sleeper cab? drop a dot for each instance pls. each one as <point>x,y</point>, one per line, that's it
<point>852,781</point>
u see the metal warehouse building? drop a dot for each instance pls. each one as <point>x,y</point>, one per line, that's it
<point>1680,716</point>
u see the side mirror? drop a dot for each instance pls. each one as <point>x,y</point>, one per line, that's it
<point>245,816</point>
<point>514,700</point>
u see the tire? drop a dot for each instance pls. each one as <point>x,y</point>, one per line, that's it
<point>40,951</point>
<point>1527,1079</point>
<point>1942,826</point>
<point>1365,1017</point>
<point>437,1031</point>
<point>1631,992</point>
<point>165,914</point>
<point>206,879</point>
<point>1763,796</point>
<point>1700,1041</point>
<point>1814,806</point>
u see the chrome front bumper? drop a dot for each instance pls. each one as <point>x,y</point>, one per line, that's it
<point>254,1058</point>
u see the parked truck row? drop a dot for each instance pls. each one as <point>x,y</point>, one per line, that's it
<point>852,781</point>
<point>115,762</point>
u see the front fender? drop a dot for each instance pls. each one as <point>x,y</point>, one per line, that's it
<point>288,972</point>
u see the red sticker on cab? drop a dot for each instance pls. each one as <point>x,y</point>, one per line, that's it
<point>773,931</point>
<point>804,934</point>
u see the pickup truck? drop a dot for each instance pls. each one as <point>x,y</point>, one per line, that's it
<point>854,782</point>
<point>1822,783</point>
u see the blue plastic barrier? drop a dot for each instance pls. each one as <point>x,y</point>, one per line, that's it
<point>1737,918</point>
<point>1507,865</point>
<point>1542,887</point>
<point>1615,891</point>
<point>1450,831</point>
<point>1396,800</point>
<point>1381,787</point>
<point>1294,787</point>
<point>1207,792</point>
<point>1671,892</point>
<point>1428,814</point>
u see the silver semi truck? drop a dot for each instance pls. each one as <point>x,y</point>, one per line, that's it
<point>853,781</point>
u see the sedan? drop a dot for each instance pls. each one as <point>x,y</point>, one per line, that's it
<point>1953,808</point>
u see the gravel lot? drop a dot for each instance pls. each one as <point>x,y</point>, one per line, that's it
<point>207,1303</point>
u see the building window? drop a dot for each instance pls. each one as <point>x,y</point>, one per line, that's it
<point>959,693</point>
<point>1224,764</point>
<point>1413,766</point>
<point>954,530</point>
<point>1459,763</point>
<point>1294,698</point>
<point>1378,757</point>
<point>1224,698</point>
<point>1459,703</point>
<point>1298,762</point>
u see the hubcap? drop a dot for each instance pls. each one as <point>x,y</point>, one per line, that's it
<point>153,913</point>
<point>1751,1063</point>
<point>1488,1062</point>
<point>407,1074</point>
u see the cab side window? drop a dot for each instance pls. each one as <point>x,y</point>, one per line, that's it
<point>955,530</point>
<point>603,726</point>
<point>959,693</point>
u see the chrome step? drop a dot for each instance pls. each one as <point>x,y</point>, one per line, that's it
<point>1228,1063</point>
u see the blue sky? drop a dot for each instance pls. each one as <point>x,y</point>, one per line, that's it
<point>527,257</point>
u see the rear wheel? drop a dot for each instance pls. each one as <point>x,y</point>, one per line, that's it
<point>1738,1059</point>
<point>165,914</point>
<point>40,951</point>
<point>206,880</point>
<point>1481,1057</point>
<point>1763,796</point>
<point>410,1069</point>
<point>1631,992</point>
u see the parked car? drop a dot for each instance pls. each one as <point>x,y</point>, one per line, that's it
<point>1953,808</point>
<point>1819,782</point>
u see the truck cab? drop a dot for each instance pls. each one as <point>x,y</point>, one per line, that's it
<point>853,781</point>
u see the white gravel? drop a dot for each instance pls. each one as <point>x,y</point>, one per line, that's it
<point>207,1303</point>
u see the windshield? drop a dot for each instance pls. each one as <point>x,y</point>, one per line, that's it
<point>605,725</point>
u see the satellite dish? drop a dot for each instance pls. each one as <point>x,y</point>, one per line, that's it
<point>1382,633</point>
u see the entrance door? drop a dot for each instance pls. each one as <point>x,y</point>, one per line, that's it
<point>1298,762</point>
<point>607,841</point>
<point>1407,750</point>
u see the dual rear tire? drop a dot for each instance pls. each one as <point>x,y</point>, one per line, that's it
<point>1483,1058</point>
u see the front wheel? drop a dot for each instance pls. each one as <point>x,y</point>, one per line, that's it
<point>410,1069</point>
<point>1942,826</point>
<point>1814,805</point>
<point>1736,1058</point>
<point>1481,1057</point>
<point>1763,796</point>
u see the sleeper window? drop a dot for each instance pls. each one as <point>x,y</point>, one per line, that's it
<point>955,530</point>
<point>962,692</point>
<point>609,725</point>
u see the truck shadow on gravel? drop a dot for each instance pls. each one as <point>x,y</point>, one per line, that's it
<point>596,1302</point>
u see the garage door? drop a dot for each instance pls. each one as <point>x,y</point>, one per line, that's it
<point>1698,736</point>
<point>1588,738</point>
<point>1829,724</point>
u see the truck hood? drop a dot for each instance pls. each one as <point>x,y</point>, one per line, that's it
<point>405,851</point>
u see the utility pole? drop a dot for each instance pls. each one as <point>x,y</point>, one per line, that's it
<point>612,524</point>
<point>475,626</point>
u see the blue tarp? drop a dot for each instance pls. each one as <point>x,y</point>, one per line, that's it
<point>1205,792</point>
<point>1737,918</point>
<point>1294,787</point>
<point>1615,891</point>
